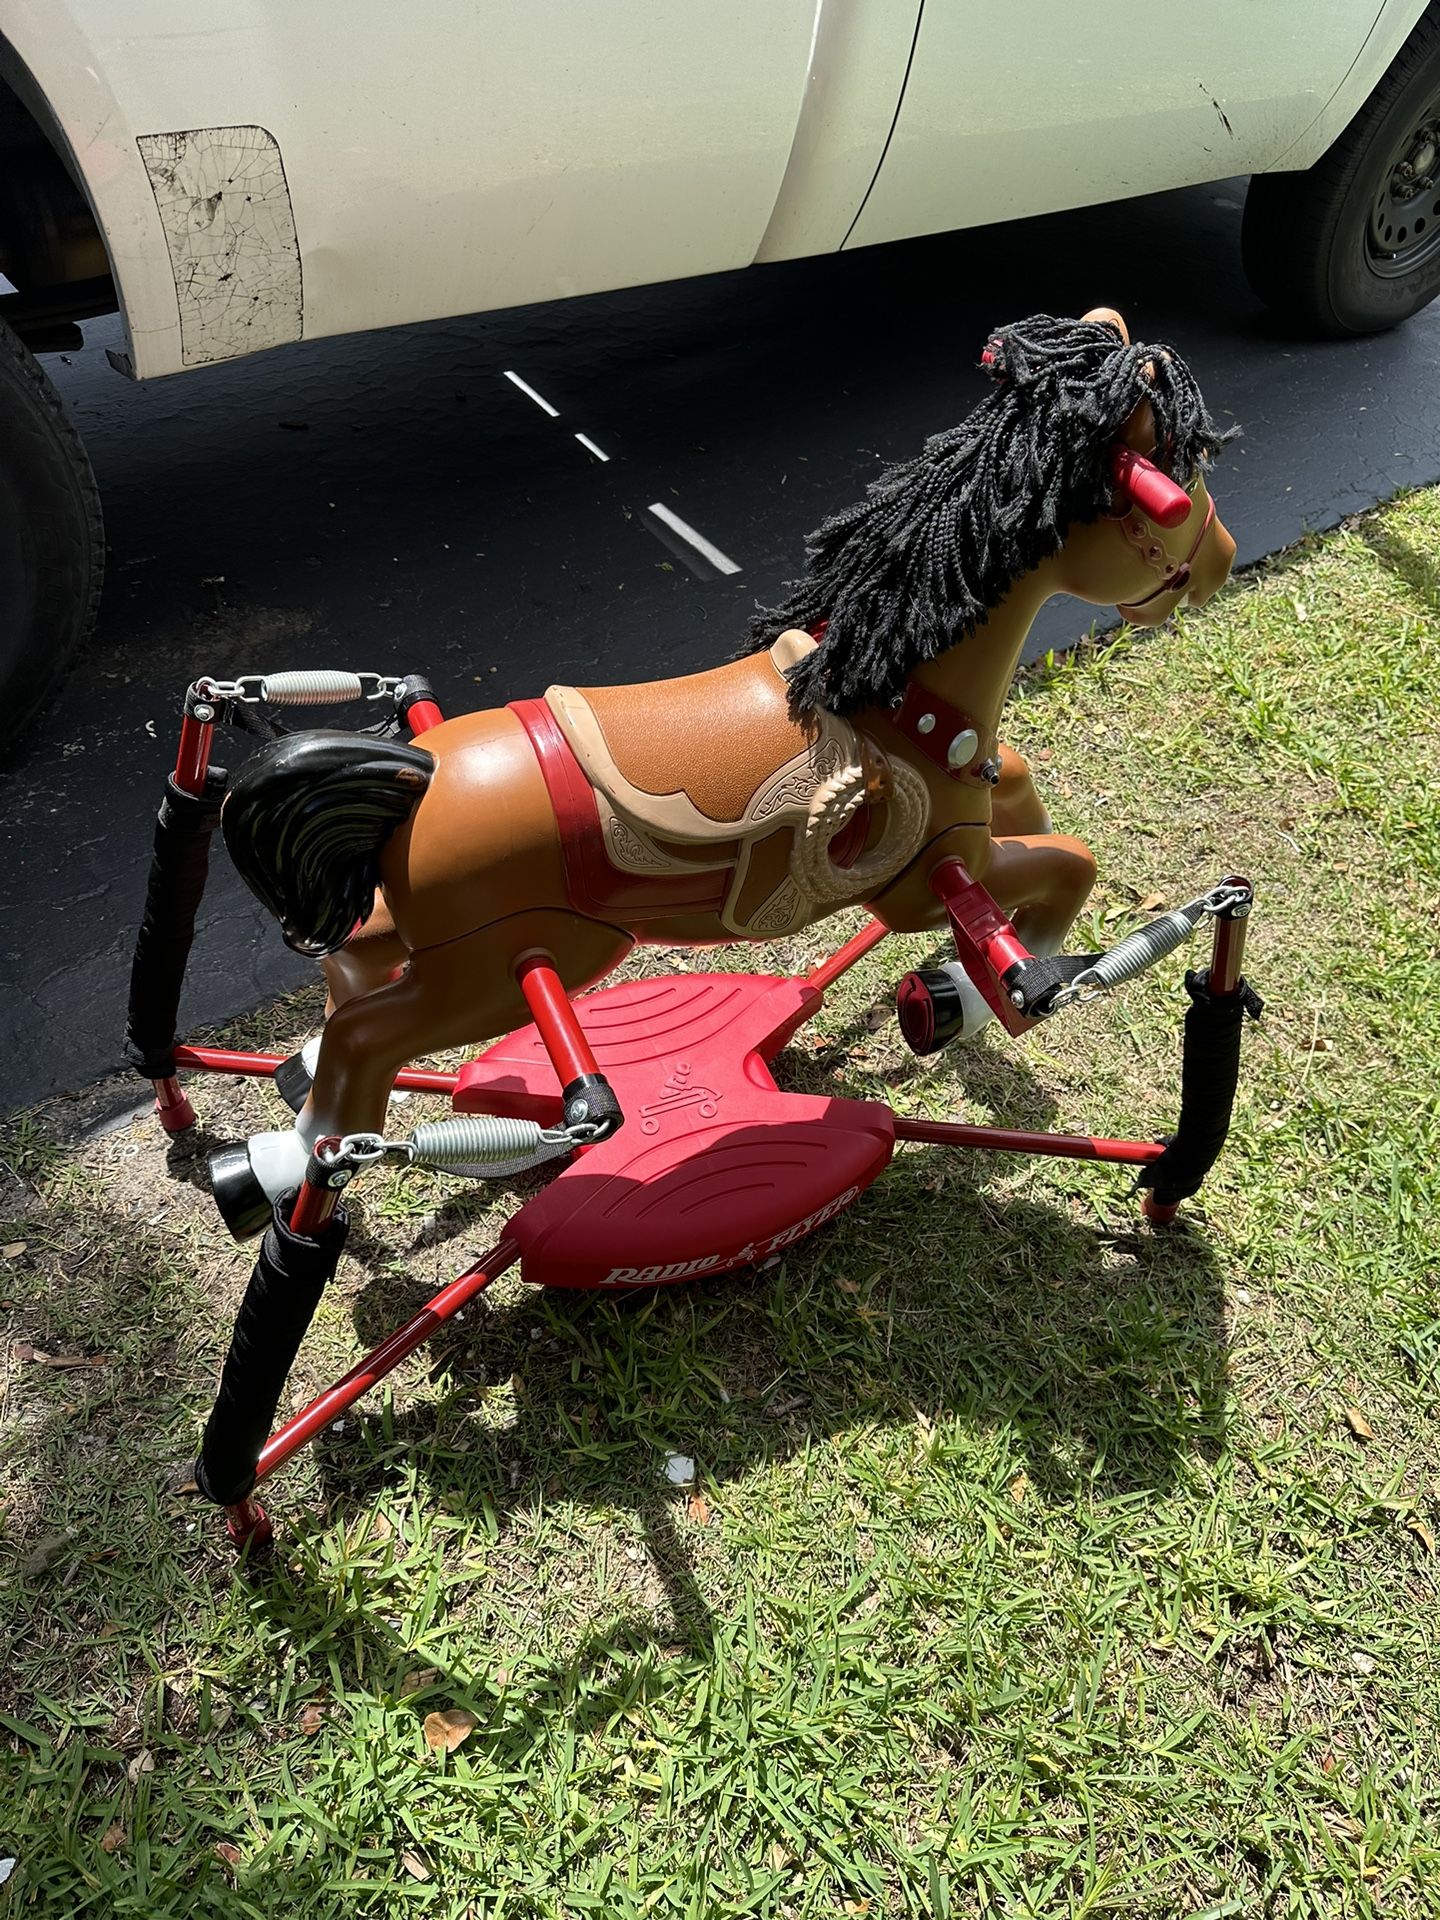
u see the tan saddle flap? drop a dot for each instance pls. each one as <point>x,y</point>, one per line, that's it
<point>709,759</point>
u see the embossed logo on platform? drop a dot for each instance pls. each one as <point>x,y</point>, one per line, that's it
<point>679,1092</point>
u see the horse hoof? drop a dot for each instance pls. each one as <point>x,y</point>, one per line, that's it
<point>244,1204</point>
<point>295,1077</point>
<point>248,1178</point>
<point>938,1006</point>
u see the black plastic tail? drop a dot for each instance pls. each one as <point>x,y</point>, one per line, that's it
<point>305,821</point>
<point>285,1288</point>
<point>179,866</point>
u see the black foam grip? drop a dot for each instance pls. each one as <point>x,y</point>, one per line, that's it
<point>285,1288</point>
<point>1209,1074</point>
<point>179,867</point>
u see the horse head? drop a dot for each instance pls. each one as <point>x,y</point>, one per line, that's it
<point>1083,468</point>
<point>1161,545</point>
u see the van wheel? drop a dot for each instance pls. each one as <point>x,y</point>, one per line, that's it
<point>52,542</point>
<point>1353,244</point>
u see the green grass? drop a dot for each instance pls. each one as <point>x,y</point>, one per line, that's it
<point>1045,1572</point>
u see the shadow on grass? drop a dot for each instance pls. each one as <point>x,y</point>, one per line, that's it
<point>943,1304</point>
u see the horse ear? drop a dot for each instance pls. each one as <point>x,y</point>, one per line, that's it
<point>1116,320</point>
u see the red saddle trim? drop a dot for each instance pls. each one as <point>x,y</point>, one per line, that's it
<point>595,887</point>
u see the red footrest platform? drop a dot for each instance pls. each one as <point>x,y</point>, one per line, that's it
<point>715,1167</point>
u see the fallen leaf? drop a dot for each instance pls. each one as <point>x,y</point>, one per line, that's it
<point>1319,1044</point>
<point>1019,1487</point>
<point>68,1360</point>
<point>847,1286</point>
<point>227,1851</point>
<point>114,1836</point>
<point>144,1762</point>
<point>13,1249</point>
<point>313,1718</point>
<point>414,1866</point>
<point>697,1508</point>
<point>1151,902</point>
<point>418,1679</point>
<point>1421,1531</point>
<point>446,1730</point>
<point>1327,1762</point>
<point>46,1552</point>
<point>1358,1424</point>
<point>500,1678</point>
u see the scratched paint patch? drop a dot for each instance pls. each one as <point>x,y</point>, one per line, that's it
<point>230,227</point>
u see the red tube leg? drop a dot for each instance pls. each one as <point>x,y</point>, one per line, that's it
<point>248,1525</point>
<point>172,1107</point>
<point>421,715</point>
<point>556,1018</point>
<point>192,757</point>
<point>296,1433</point>
<point>192,763</point>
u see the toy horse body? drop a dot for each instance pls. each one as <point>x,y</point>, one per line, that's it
<point>734,803</point>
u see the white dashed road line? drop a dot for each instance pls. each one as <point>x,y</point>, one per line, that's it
<point>721,561</point>
<point>697,543</point>
<point>539,398</point>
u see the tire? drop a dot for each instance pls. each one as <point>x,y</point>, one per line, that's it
<point>1353,244</point>
<point>52,542</point>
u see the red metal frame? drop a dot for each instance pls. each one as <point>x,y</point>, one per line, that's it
<point>1066,1146</point>
<point>261,1066</point>
<point>311,1420</point>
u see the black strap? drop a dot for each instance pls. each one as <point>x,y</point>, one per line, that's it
<point>1041,978</point>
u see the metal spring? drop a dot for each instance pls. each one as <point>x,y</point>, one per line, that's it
<point>475,1139</point>
<point>311,687</point>
<point>1141,949</point>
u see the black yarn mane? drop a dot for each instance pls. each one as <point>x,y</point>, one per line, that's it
<point>915,566</point>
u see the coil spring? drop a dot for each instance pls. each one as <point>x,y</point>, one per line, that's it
<point>1140,950</point>
<point>311,687</point>
<point>475,1139</point>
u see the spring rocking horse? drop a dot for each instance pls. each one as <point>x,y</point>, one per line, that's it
<point>468,882</point>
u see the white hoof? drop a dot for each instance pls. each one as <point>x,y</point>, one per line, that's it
<point>278,1160</point>
<point>975,1009</point>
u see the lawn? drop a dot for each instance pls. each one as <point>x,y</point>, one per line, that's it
<point>1036,1564</point>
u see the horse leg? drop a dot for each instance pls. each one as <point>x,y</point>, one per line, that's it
<point>452,995</point>
<point>1015,804</point>
<point>371,956</point>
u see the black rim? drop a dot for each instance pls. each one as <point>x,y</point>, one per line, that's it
<point>1403,231</point>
